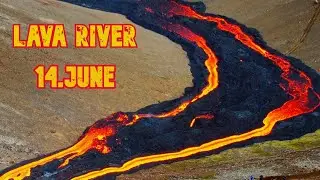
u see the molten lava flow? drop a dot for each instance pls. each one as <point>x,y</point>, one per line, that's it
<point>299,90</point>
<point>210,63</point>
<point>204,116</point>
<point>95,138</point>
<point>298,105</point>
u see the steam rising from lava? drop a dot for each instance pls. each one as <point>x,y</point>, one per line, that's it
<point>234,100</point>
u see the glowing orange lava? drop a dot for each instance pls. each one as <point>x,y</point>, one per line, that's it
<point>299,104</point>
<point>204,116</point>
<point>94,138</point>
<point>210,63</point>
<point>300,90</point>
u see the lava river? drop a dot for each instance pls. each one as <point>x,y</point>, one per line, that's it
<point>212,43</point>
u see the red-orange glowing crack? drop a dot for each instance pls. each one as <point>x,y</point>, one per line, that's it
<point>204,116</point>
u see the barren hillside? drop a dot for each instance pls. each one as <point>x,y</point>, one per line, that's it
<point>34,122</point>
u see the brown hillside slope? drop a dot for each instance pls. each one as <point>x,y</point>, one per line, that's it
<point>34,122</point>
